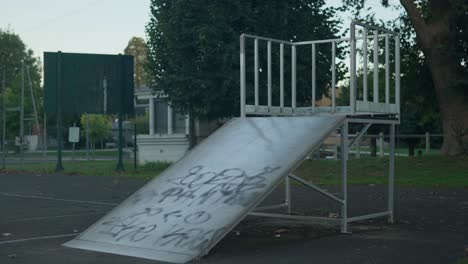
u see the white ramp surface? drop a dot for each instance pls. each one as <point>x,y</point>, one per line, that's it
<point>184,212</point>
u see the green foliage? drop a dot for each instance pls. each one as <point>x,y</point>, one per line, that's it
<point>12,52</point>
<point>424,171</point>
<point>99,127</point>
<point>194,48</point>
<point>137,48</point>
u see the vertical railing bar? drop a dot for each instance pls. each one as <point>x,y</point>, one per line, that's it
<point>242,75</point>
<point>376,66</point>
<point>293,77</point>
<point>281,76</point>
<point>333,83</point>
<point>352,92</point>
<point>313,78</point>
<point>387,70</point>
<point>344,176</point>
<point>364,54</point>
<point>256,72</point>
<point>269,74</point>
<point>397,72</point>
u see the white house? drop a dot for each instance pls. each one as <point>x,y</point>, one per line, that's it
<point>167,138</point>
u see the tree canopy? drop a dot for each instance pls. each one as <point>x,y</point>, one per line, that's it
<point>137,48</point>
<point>13,52</point>
<point>194,46</point>
<point>440,28</point>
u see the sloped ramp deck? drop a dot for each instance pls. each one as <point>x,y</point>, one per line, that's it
<point>184,212</point>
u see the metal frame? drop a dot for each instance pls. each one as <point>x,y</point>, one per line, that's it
<point>344,220</point>
<point>364,111</point>
<point>356,106</point>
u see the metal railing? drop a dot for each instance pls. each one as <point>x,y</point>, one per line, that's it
<point>356,106</point>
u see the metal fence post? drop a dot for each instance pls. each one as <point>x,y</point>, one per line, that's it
<point>358,148</point>
<point>381,144</point>
<point>87,136</point>
<point>428,142</point>
<point>3,121</point>
<point>21,141</point>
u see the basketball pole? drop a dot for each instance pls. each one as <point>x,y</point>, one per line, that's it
<point>120,166</point>
<point>59,166</point>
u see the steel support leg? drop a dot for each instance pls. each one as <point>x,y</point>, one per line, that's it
<point>287,199</point>
<point>344,177</point>
<point>391,174</point>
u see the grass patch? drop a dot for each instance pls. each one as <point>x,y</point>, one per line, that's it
<point>422,171</point>
<point>92,168</point>
<point>462,261</point>
<point>425,171</point>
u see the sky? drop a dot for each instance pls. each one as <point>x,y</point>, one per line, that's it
<point>92,26</point>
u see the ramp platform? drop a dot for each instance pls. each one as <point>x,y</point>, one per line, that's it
<point>184,212</point>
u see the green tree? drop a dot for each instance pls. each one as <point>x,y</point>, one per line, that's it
<point>441,35</point>
<point>100,127</point>
<point>137,48</point>
<point>194,48</point>
<point>13,52</point>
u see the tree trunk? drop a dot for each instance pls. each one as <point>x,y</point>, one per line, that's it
<point>436,39</point>
<point>452,104</point>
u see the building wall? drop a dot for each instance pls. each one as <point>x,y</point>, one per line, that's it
<point>165,148</point>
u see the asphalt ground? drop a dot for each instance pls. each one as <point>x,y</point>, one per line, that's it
<point>40,212</point>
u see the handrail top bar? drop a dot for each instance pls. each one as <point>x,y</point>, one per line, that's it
<point>332,40</point>
<point>267,39</point>
<point>308,41</point>
<point>362,24</point>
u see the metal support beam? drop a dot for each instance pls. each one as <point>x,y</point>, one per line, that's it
<point>365,68</point>
<point>316,188</point>
<point>269,74</point>
<point>352,90</point>
<point>270,207</point>
<point>313,78</point>
<point>376,67</point>
<point>281,76</point>
<point>287,194</point>
<point>312,219</point>
<point>242,75</point>
<point>293,78</point>
<point>344,177</point>
<point>368,216</point>
<point>256,73</point>
<point>333,82</point>
<point>387,69</point>
<point>391,174</point>
<point>359,135</point>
